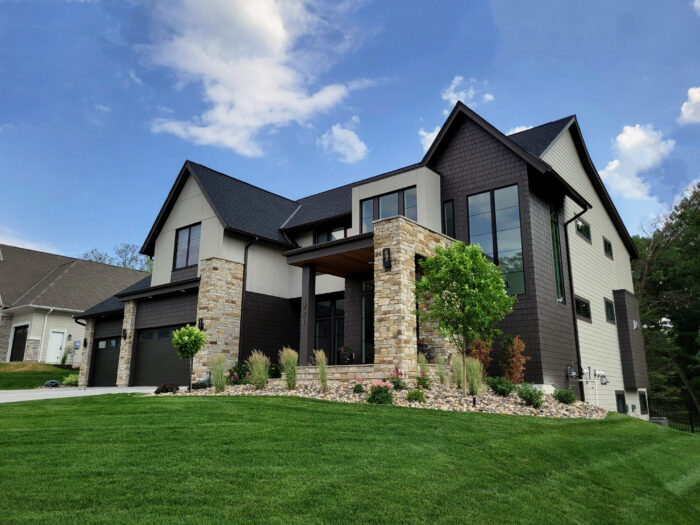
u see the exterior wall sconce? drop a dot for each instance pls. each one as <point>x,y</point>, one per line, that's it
<point>200,324</point>
<point>85,343</point>
<point>386,258</point>
<point>123,333</point>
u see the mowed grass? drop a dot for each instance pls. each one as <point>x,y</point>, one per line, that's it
<point>126,458</point>
<point>20,375</point>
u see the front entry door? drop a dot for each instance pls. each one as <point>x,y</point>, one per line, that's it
<point>55,349</point>
<point>19,341</point>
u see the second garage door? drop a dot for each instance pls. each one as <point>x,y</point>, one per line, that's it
<point>156,360</point>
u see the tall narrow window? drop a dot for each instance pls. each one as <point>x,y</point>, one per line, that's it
<point>556,250</point>
<point>643,404</point>
<point>187,247</point>
<point>607,248</point>
<point>367,215</point>
<point>609,311</point>
<point>621,402</point>
<point>410,204</point>
<point>499,211</point>
<point>448,218</point>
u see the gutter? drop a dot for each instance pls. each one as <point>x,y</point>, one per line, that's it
<point>573,300</point>
<point>245,283</point>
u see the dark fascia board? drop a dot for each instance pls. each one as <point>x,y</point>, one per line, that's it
<point>305,226</point>
<point>161,289</point>
<point>109,313</point>
<point>364,240</point>
<point>600,189</point>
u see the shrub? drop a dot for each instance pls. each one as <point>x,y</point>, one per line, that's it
<point>416,396</point>
<point>481,351</point>
<point>167,388</point>
<point>396,379</point>
<point>288,361</point>
<point>458,369</point>
<point>530,395</point>
<point>259,367</point>
<point>219,376</point>
<point>64,357</point>
<point>275,371</point>
<point>500,386</point>
<point>321,362</point>
<point>423,379</point>
<point>70,380</point>
<point>380,393</point>
<point>475,376</point>
<point>239,374</point>
<point>201,384</point>
<point>513,361</point>
<point>441,369</point>
<point>357,387</point>
<point>565,395</point>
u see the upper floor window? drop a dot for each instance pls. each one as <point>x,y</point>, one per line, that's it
<point>609,311</point>
<point>499,211</point>
<point>583,309</point>
<point>187,246</point>
<point>330,234</point>
<point>556,250</point>
<point>607,248</point>
<point>448,218</point>
<point>583,229</point>
<point>402,202</point>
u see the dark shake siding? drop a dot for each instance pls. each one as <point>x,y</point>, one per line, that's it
<point>469,162</point>
<point>108,327</point>
<point>173,310</point>
<point>634,365</point>
<point>184,274</point>
<point>268,324</point>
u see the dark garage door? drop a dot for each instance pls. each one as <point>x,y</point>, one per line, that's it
<point>156,360</point>
<point>105,356</point>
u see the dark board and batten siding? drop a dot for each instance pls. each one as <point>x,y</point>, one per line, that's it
<point>174,310</point>
<point>634,365</point>
<point>108,328</point>
<point>268,324</point>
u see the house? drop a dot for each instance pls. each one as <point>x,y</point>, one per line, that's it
<point>39,295</point>
<point>257,270</point>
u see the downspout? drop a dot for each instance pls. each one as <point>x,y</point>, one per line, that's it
<point>582,389</point>
<point>245,282</point>
<point>43,333</point>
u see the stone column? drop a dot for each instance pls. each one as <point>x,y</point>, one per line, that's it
<point>5,331</point>
<point>395,341</point>
<point>127,345</point>
<point>33,349</point>
<point>307,330</point>
<point>86,361</point>
<point>219,307</point>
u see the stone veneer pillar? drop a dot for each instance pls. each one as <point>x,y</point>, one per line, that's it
<point>127,345</point>
<point>86,361</point>
<point>219,307</point>
<point>5,331</point>
<point>395,341</point>
<point>32,349</point>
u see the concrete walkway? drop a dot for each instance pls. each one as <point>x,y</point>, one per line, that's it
<point>11,396</point>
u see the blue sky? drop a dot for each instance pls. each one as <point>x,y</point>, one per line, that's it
<point>101,102</point>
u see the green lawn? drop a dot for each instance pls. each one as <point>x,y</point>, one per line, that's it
<point>20,375</point>
<point>128,458</point>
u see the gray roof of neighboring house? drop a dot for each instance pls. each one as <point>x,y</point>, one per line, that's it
<point>536,140</point>
<point>30,277</point>
<point>113,304</point>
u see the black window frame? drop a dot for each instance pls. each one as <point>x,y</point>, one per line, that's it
<point>606,243</point>
<point>607,302</point>
<point>375,205</point>
<point>559,285</point>
<point>588,238</point>
<point>451,202</point>
<point>332,318</point>
<point>494,233</point>
<point>620,394</point>
<point>189,238</point>
<point>578,300</point>
<point>318,234</point>
<point>643,402</point>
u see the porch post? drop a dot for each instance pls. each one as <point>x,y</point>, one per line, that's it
<point>308,313</point>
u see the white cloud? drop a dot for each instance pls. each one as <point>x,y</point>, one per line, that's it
<point>103,108</point>
<point>639,148</point>
<point>344,141</point>
<point>517,129</point>
<point>135,78</point>
<point>427,137</point>
<point>471,92</point>
<point>690,110</point>
<point>164,109</point>
<point>688,190</point>
<point>696,5</point>
<point>13,238</point>
<point>257,62</point>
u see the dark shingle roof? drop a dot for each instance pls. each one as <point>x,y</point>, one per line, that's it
<point>112,304</point>
<point>28,277</point>
<point>537,139</point>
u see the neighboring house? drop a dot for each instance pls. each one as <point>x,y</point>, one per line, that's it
<point>39,295</point>
<point>256,270</point>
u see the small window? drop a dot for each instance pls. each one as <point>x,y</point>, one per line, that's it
<point>607,248</point>
<point>367,215</point>
<point>102,344</point>
<point>410,204</point>
<point>187,246</point>
<point>583,229</point>
<point>403,202</point>
<point>583,309</point>
<point>388,205</point>
<point>332,234</point>
<point>643,404</point>
<point>609,311</point>
<point>448,218</point>
<point>621,402</point>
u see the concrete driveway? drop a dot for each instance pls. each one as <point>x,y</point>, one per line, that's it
<point>11,396</point>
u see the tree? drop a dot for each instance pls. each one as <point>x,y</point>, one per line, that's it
<point>512,360</point>
<point>187,341</point>
<point>125,255</point>
<point>667,285</point>
<point>464,296</point>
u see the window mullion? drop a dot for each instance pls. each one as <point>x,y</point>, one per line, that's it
<point>493,227</point>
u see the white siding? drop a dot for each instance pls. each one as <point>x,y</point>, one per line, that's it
<point>63,322</point>
<point>595,275</point>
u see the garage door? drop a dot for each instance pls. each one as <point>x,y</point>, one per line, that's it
<point>156,360</point>
<point>105,359</point>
